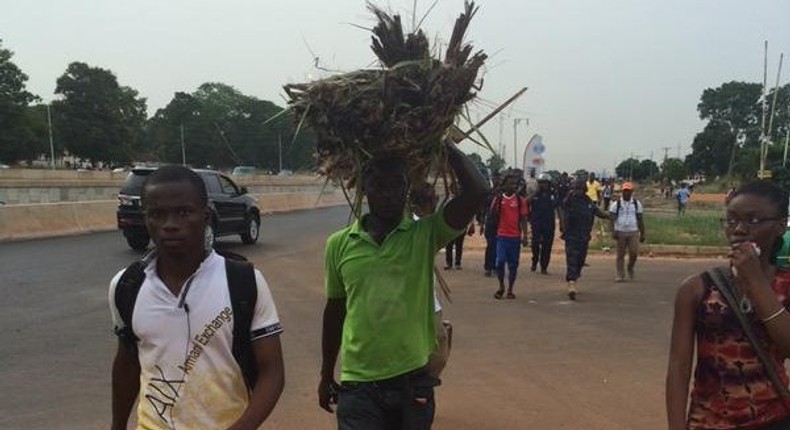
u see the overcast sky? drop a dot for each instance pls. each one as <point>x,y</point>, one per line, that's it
<point>606,78</point>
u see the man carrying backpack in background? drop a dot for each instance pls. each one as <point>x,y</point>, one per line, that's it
<point>510,210</point>
<point>628,230</point>
<point>199,341</point>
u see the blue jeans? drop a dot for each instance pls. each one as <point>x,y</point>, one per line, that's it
<point>508,251</point>
<point>405,402</point>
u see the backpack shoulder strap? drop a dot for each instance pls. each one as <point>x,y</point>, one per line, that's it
<point>125,297</point>
<point>723,282</point>
<point>243,296</point>
<point>497,204</point>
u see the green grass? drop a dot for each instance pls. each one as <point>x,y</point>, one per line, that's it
<point>695,228</point>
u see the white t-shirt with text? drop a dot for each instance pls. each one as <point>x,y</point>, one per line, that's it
<point>189,378</point>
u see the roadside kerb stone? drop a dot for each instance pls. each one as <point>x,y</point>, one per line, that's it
<point>477,243</point>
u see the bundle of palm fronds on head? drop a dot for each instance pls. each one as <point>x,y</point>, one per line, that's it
<point>404,109</point>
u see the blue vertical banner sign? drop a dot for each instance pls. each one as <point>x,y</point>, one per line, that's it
<point>533,155</point>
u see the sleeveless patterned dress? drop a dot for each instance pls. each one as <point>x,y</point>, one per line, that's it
<point>731,389</point>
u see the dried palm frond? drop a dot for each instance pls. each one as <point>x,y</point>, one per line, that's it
<point>404,108</point>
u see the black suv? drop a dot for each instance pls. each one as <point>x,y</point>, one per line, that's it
<point>232,210</point>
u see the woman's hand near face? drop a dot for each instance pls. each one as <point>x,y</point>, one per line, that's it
<point>747,268</point>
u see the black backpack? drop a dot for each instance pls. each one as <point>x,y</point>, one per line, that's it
<point>617,212</point>
<point>243,296</point>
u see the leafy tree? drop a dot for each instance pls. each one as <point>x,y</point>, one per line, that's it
<point>647,169</point>
<point>223,127</point>
<point>734,119</point>
<point>18,139</point>
<point>674,169</point>
<point>97,119</point>
<point>627,167</point>
<point>636,170</point>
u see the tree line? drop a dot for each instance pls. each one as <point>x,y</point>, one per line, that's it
<point>728,146</point>
<point>97,119</point>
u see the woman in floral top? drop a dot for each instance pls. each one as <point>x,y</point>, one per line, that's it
<point>731,388</point>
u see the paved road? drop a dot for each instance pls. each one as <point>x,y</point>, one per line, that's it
<point>535,362</point>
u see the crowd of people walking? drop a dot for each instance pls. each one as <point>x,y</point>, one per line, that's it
<point>385,327</point>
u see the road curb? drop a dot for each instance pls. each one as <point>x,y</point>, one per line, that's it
<point>645,250</point>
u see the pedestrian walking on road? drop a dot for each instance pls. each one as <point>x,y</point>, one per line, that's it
<point>380,299</point>
<point>683,195</point>
<point>576,223</point>
<point>628,230</point>
<point>454,251</point>
<point>179,324</point>
<point>732,328</point>
<point>488,226</point>
<point>510,212</point>
<point>593,188</point>
<point>542,213</point>
<point>606,193</point>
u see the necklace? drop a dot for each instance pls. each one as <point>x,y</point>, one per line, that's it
<point>744,303</point>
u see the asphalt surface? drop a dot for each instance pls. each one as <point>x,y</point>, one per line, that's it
<point>538,362</point>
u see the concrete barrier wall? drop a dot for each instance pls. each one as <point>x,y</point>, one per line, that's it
<point>20,186</point>
<point>59,219</point>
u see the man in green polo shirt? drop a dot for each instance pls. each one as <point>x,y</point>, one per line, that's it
<point>379,310</point>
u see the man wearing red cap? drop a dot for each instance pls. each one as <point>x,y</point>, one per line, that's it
<point>628,230</point>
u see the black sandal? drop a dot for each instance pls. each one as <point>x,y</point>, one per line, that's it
<point>498,294</point>
<point>511,296</point>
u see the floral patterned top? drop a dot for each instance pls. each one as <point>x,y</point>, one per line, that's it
<point>731,388</point>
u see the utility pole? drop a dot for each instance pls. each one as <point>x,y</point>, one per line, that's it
<point>516,121</point>
<point>51,145</point>
<point>765,111</point>
<point>666,152</point>
<point>280,149</point>
<point>183,147</point>
<point>679,146</point>
<point>501,142</point>
<point>787,138</point>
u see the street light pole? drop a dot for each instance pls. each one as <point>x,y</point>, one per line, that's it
<point>183,147</point>
<point>280,150</point>
<point>51,145</point>
<point>516,121</point>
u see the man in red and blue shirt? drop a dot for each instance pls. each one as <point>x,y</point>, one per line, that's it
<point>511,211</point>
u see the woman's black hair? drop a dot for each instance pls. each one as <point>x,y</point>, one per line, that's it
<point>775,194</point>
<point>176,174</point>
<point>768,190</point>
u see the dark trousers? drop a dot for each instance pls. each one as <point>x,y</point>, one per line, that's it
<point>575,254</point>
<point>490,257</point>
<point>401,403</point>
<point>542,240</point>
<point>458,244</point>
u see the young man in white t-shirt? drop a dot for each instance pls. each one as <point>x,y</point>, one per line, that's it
<point>182,368</point>
<point>628,229</point>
